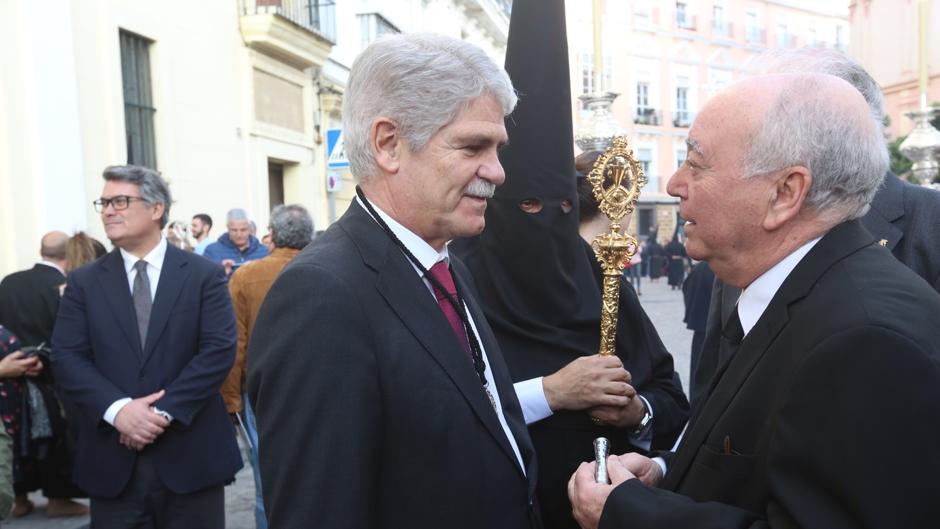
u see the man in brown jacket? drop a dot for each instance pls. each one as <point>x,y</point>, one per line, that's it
<point>291,230</point>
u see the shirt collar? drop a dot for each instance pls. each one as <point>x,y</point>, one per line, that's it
<point>424,252</point>
<point>53,265</point>
<point>758,295</point>
<point>154,258</point>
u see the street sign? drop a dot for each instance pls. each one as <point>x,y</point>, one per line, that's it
<point>335,152</point>
<point>333,182</point>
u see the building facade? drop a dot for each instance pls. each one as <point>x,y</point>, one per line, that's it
<point>885,42</point>
<point>234,101</point>
<point>667,57</point>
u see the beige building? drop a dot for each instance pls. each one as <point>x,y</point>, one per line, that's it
<point>232,100</point>
<point>666,58</point>
<point>885,42</point>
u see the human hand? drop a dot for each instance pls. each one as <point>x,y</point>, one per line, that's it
<point>645,469</point>
<point>228,265</point>
<point>588,497</point>
<point>588,381</point>
<point>129,443</point>
<point>628,416</point>
<point>138,424</point>
<point>16,364</point>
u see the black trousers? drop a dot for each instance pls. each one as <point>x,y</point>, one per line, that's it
<point>146,503</point>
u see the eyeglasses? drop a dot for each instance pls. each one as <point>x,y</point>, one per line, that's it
<point>119,202</point>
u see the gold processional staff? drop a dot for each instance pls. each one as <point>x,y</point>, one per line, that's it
<point>616,178</point>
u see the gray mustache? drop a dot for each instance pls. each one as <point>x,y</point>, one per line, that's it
<point>480,188</point>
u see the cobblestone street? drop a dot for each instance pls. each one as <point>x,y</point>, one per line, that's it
<point>665,309</point>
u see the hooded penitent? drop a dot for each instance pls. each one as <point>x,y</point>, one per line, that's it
<point>538,280</point>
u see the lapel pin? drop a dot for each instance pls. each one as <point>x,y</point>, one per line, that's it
<point>883,242</point>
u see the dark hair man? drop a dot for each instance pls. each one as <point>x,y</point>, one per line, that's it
<point>200,226</point>
<point>144,339</point>
<point>373,330</point>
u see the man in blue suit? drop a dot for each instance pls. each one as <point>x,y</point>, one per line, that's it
<point>144,338</point>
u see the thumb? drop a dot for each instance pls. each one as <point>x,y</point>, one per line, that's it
<point>154,397</point>
<point>617,472</point>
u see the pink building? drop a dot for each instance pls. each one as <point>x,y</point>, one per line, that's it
<point>666,58</point>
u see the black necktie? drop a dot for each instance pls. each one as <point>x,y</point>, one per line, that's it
<point>142,300</point>
<point>731,336</point>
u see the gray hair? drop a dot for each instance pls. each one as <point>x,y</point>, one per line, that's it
<point>291,227</point>
<point>847,156</point>
<point>419,81</point>
<point>153,188</point>
<point>236,214</point>
<point>826,61</point>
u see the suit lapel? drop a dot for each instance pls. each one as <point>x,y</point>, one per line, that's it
<point>409,298</point>
<point>842,240</point>
<point>116,290</point>
<point>511,411</point>
<point>173,276</point>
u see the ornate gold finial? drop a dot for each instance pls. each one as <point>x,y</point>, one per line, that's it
<point>617,178</point>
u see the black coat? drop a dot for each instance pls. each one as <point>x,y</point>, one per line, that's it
<point>29,301</point>
<point>802,426</point>
<point>369,412</point>
<point>97,358</point>
<point>902,215</point>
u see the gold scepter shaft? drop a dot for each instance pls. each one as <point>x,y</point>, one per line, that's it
<point>616,178</point>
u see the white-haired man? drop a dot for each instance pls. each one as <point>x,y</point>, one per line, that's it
<point>835,351</point>
<point>381,396</point>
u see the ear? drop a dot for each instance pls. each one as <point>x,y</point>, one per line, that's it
<point>386,143</point>
<point>789,193</point>
<point>158,209</point>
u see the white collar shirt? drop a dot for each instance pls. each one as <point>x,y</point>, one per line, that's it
<point>428,257</point>
<point>53,265</point>
<point>154,261</point>
<point>758,295</point>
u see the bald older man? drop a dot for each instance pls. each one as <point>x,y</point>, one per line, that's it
<point>835,351</point>
<point>29,299</point>
<point>29,302</point>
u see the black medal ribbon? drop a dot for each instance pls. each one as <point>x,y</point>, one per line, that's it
<point>476,352</point>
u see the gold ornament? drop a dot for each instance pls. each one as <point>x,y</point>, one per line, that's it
<point>617,178</point>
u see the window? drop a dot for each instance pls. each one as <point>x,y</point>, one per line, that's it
<point>752,32</point>
<point>682,16</point>
<point>682,118</point>
<point>783,36</point>
<point>645,157</point>
<point>642,95</point>
<point>681,155</point>
<point>374,26</point>
<point>138,100</point>
<point>719,27</point>
<point>587,74</point>
<point>839,44</point>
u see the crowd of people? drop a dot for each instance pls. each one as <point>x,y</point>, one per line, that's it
<point>430,359</point>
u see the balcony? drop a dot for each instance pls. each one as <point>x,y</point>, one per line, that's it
<point>298,32</point>
<point>722,29</point>
<point>684,21</point>
<point>491,15</point>
<point>648,116</point>
<point>755,35</point>
<point>682,118</point>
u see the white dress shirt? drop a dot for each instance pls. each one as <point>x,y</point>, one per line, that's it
<point>154,261</point>
<point>428,257</point>
<point>756,297</point>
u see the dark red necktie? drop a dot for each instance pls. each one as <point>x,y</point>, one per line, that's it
<point>441,273</point>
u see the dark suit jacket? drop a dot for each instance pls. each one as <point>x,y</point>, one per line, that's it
<point>97,359</point>
<point>798,430</point>
<point>29,300</point>
<point>369,412</point>
<point>902,214</point>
